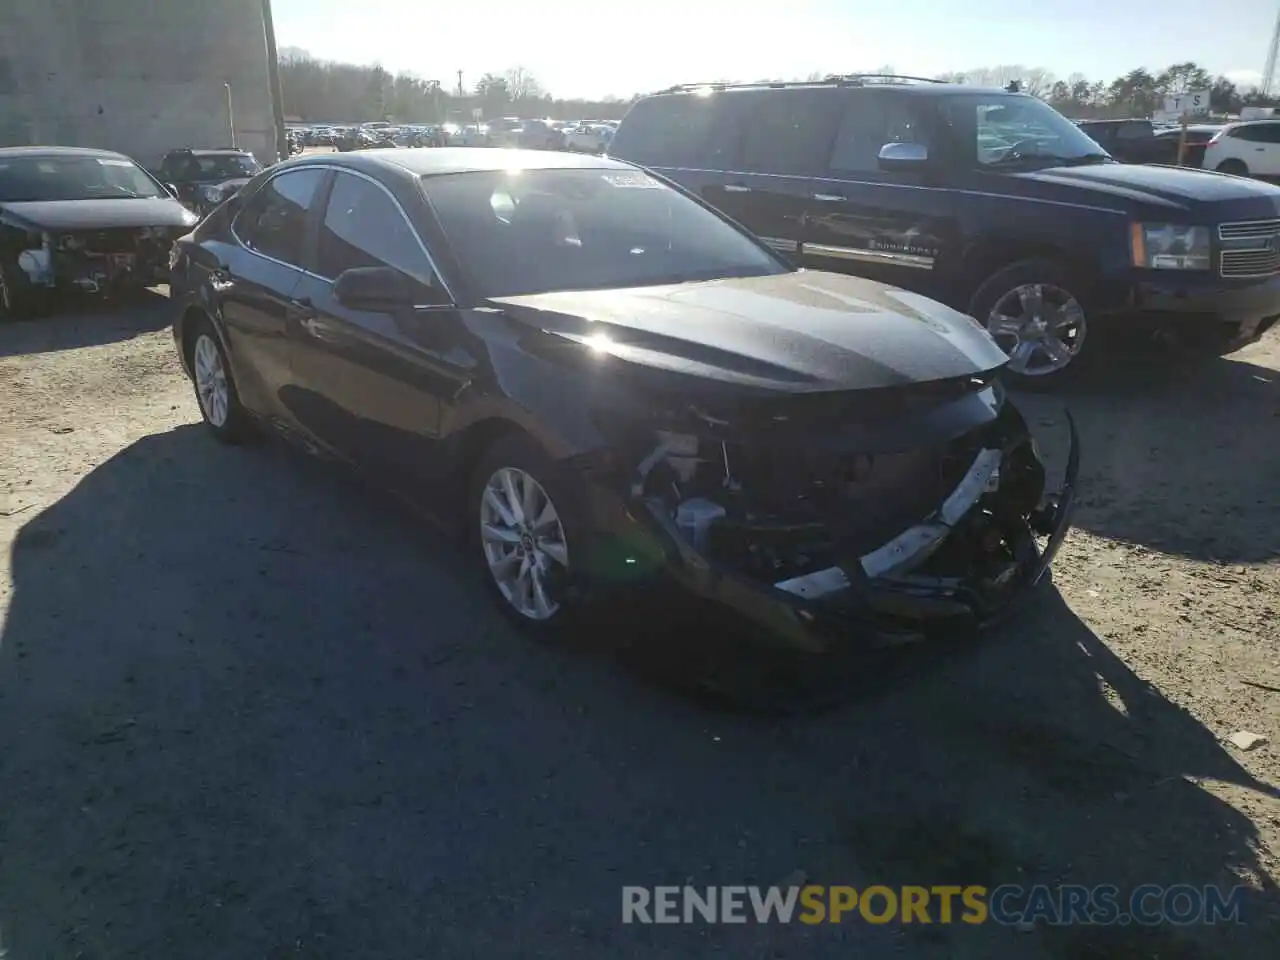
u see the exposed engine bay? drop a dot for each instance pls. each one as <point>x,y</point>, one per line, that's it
<point>98,261</point>
<point>826,523</point>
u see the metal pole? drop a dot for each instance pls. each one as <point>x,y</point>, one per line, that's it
<point>1182,141</point>
<point>231,117</point>
<point>273,76</point>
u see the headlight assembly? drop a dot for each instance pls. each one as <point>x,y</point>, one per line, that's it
<point>211,194</point>
<point>1170,246</point>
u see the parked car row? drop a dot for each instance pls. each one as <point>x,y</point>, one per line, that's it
<point>988,200</point>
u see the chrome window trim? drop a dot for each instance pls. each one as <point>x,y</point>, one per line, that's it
<point>337,169</point>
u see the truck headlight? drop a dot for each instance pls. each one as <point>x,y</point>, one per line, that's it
<point>211,194</point>
<point>1170,246</point>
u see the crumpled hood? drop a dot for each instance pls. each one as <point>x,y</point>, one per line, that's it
<point>1177,188</point>
<point>100,214</point>
<point>799,332</point>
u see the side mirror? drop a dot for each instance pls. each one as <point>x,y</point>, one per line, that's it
<point>173,189</point>
<point>382,290</point>
<point>903,156</point>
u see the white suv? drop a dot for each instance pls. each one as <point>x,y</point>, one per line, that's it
<point>1250,148</point>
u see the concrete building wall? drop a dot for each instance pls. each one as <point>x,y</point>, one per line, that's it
<point>137,76</point>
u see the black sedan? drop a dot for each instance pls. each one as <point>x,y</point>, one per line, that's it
<point>603,383</point>
<point>78,219</point>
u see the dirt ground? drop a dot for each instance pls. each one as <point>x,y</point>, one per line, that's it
<point>247,710</point>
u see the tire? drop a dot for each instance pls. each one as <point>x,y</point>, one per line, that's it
<point>1237,168</point>
<point>19,300</point>
<point>1060,291</point>
<point>226,418</point>
<point>553,547</point>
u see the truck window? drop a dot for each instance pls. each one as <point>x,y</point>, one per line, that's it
<point>665,131</point>
<point>790,131</point>
<point>870,121</point>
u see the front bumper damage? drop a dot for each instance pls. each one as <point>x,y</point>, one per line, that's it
<point>958,569</point>
<point>98,261</point>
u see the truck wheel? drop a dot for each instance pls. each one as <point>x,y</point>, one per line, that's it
<point>1237,168</point>
<point>1034,310</point>
<point>18,298</point>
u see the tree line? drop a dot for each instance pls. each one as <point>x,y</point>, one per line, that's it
<point>318,90</point>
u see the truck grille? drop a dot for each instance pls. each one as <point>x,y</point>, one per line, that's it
<point>1249,230</point>
<point>1250,263</point>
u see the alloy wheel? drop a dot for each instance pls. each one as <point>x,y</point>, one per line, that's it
<point>211,381</point>
<point>524,542</point>
<point>1040,326</point>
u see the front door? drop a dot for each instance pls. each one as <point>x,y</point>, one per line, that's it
<point>891,226</point>
<point>368,384</point>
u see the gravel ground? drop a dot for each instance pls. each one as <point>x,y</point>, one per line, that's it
<point>248,710</point>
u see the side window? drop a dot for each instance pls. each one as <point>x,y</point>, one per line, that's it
<point>363,227</point>
<point>274,222</point>
<point>870,121</point>
<point>791,131</point>
<point>665,131</point>
<point>1258,133</point>
<point>1135,131</point>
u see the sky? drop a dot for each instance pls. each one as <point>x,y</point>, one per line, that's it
<point>585,48</point>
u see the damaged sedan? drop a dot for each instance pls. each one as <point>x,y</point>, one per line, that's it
<point>602,385</point>
<point>74,219</point>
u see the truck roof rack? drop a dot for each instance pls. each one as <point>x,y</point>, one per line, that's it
<point>835,79</point>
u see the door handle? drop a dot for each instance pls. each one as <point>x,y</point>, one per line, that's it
<point>736,188</point>
<point>829,197</point>
<point>302,303</point>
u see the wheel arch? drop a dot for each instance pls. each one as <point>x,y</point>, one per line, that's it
<point>990,254</point>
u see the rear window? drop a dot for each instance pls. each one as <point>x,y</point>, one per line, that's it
<point>665,131</point>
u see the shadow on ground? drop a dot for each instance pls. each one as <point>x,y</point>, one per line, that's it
<point>88,322</point>
<point>1158,472</point>
<point>247,712</point>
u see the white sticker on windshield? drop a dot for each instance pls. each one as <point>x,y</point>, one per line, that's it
<point>636,181</point>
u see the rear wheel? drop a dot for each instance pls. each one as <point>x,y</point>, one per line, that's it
<point>1035,312</point>
<point>1235,167</point>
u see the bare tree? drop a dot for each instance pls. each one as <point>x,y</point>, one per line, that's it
<point>523,85</point>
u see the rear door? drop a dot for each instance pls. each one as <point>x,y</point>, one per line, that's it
<point>891,226</point>
<point>254,280</point>
<point>785,138</point>
<point>1261,151</point>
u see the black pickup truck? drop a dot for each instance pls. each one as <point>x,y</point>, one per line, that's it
<point>989,200</point>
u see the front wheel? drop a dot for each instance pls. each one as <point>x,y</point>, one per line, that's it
<point>1034,311</point>
<point>1237,168</point>
<point>215,387</point>
<point>19,298</point>
<point>527,535</point>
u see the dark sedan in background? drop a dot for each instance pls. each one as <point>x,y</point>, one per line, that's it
<point>73,219</point>
<point>202,179</point>
<point>603,383</point>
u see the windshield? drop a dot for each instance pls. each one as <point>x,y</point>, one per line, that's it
<point>996,130</point>
<point>534,231</point>
<point>73,178</point>
<point>226,166</point>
